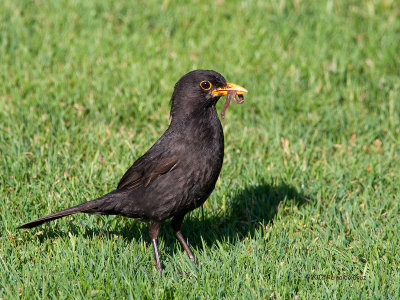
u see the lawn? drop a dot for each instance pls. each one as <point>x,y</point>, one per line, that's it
<point>307,204</point>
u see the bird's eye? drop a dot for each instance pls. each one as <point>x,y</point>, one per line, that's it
<point>205,85</point>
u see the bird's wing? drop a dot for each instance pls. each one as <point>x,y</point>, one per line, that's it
<point>145,170</point>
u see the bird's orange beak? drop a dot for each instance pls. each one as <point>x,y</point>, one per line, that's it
<point>229,87</point>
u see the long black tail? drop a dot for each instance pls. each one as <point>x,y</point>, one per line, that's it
<point>92,206</point>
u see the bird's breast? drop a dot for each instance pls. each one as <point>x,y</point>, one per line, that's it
<point>199,146</point>
<point>203,162</point>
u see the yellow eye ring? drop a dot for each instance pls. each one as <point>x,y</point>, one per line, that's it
<point>205,85</point>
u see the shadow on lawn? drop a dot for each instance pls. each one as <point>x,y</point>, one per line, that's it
<point>249,209</point>
<point>246,212</point>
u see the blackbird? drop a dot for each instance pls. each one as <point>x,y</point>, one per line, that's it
<point>179,172</point>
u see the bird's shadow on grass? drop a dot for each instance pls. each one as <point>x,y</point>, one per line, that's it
<point>249,209</point>
<point>246,211</point>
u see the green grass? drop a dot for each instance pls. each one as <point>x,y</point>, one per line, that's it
<point>310,183</point>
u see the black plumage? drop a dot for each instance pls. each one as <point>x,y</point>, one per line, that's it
<point>178,173</point>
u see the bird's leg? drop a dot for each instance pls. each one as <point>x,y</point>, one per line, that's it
<point>154,229</point>
<point>176,224</point>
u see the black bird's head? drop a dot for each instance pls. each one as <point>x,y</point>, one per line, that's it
<point>200,89</point>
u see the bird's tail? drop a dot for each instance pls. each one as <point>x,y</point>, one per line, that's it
<point>87,207</point>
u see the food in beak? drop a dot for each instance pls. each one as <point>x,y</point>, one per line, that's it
<point>231,95</point>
